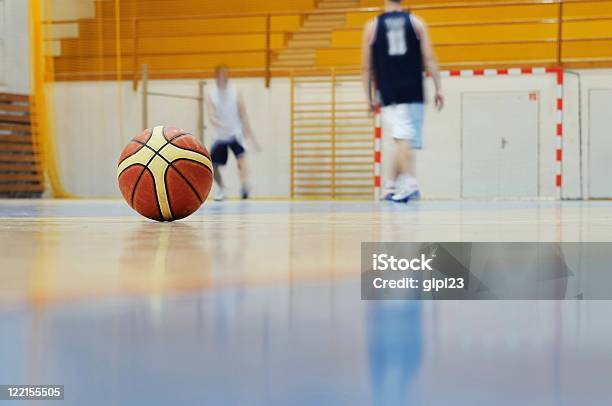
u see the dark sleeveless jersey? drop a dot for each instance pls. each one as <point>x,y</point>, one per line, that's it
<point>397,60</point>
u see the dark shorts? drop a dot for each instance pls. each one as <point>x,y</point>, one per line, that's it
<point>219,151</point>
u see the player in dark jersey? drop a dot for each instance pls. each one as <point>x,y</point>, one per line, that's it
<point>396,51</point>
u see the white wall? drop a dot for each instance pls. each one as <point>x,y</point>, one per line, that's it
<point>14,46</point>
<point>71,9</point>
<point>14,38</point>
<point>593,79</point>
<point>88,117</point>
<point>439,163</point>
<point>89,140</point>
<point>67,10</point>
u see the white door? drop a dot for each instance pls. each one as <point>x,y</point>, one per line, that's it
<point>500,145</point>
<point>600,144</point>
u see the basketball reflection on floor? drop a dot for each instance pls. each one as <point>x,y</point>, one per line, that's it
<point>157,258</point>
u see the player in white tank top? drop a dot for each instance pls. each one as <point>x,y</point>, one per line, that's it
<point>225,103</point>
<point>229,119</point>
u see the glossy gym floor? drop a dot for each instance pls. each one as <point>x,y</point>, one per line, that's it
<point>258,303</point>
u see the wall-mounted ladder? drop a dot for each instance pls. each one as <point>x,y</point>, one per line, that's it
<point>332,143</point>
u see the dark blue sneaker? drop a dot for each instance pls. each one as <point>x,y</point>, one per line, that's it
<point>244,192</point>
<point>389,197</point>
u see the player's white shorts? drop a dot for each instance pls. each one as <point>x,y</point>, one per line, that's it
<point>405,122</point>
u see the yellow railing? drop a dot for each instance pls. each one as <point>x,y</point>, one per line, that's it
<point>42,125</point>
<point>267,28</point>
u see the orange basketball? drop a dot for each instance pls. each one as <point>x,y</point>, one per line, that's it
<point>165,174</point>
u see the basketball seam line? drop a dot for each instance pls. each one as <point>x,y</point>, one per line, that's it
<point>195,162</point>
<point>145,145</point>
<point>155,154</point>
<point>161,214</point>
<point>150,160</point>
<point>134,140</point>
<point>177,146</point>
<point>195,192</point>
<point>147,167</point>
<point>185,178</point>
<point>170,164</point>
<point>144,169</point>
<point>191,150</point>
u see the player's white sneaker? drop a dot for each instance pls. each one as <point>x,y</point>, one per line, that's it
<point>405,197</point>
<point>220,195</point>
<point>389,190</point>
<point>409,190</point>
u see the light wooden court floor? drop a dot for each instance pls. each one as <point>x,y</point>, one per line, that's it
<point>259,303</point>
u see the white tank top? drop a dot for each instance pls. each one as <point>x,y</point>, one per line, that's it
<point>227,112</point>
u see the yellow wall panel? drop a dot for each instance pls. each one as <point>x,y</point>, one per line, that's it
<point>381,3</point>
<point>588,49</point>
<point>456,54</point>
<point>479,14</point>
<point>358,20</point>
<point>91,29</point>
<point>161,63</point>
<point>286,23</point>
<point>471,14</point>
<point>371,3</point>
<point>338,57</point>
<point>492,33</point>
<point>588,9</point>
<point>471,34</point>
<point>346,38</point>
<point>210,43</point>
<point>492,53</point>
<point>587,29</point>
<point>165,8</point>
<point>242,60</point>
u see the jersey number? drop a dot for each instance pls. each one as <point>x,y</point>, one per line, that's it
<point>397,42</point>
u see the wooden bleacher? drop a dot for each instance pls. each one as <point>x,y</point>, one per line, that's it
<point>176,8</point>
<point>484,35</point>
<point>20,173</point>
<point>170,39</point>
<point>466,33</point>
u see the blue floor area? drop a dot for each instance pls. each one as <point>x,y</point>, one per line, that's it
<point>311,344</point>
